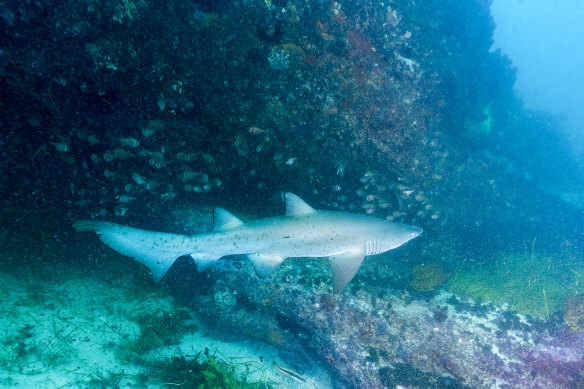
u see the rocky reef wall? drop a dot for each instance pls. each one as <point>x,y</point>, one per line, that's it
<point>368,106</point>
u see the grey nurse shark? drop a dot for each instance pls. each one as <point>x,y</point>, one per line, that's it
<point>344,238</point>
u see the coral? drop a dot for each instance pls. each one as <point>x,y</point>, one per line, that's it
<point>279,58</point>
<point>428,276</point>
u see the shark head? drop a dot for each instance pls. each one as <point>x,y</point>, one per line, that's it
<point>388,235</point>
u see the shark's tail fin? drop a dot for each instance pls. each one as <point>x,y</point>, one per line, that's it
<point>156,250</point>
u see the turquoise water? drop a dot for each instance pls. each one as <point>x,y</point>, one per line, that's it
<point>151,115</point>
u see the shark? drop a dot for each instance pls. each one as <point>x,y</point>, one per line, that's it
<point>302,232</point>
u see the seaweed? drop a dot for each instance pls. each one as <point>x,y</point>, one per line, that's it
<point>155,329</point>
<point>531,283</point>
<point>202,372</point>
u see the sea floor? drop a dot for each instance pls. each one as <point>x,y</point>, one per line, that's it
<point>99,328</point>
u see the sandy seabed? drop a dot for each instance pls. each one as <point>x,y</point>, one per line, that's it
<point>79,330</point>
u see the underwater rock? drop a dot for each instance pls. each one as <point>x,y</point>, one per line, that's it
<point>574,313</point>
<point>225,298</point>
<point>375,338</point>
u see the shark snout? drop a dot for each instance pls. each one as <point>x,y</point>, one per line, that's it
<point>416,231</point>
<point>410,233</point>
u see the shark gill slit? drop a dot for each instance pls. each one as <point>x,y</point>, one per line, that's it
<point>371,247</point>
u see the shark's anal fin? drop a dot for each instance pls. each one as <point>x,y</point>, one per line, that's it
<point>224,220</point>
<point>265,264</point>
<point>295,206</point>
<point>344,267</point>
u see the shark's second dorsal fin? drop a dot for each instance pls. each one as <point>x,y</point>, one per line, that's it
<point>295,206</point>
<point>224,220</point>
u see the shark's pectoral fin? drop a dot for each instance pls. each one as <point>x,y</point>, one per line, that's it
<point>265,264</point>
<point>344,267</point>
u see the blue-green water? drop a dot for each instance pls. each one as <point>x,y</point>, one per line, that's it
<point>151,115</point>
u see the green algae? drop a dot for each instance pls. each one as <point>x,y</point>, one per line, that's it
<point>529,283</point>
<point>203,372</point>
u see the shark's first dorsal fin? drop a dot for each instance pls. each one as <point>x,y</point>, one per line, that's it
<point>224,220</point>
<point>295,206</point>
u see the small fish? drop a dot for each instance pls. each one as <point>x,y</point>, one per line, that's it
<point>108,174</point>
<point>121,211</point>
<point>130,142</point>
<point>208,158</point>
<point>92,139</point>
<point>125,198</point>
<point>289,373</point>
<point>138,179</point>
<point>155,163</point>
<point>61,147</point>
<point>168,196</point>
<point>151,185</point>
<point>186,157</point>
<point>148,132</point>
<point>188,175</point>
<point>291,161</point>
<point>95,159</point>
<point>156,156</point>
<point>122,154</point>
<point>256,130</point>
<point>109,156</point>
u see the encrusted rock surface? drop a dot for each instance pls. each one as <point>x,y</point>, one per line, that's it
<point>374,337</point>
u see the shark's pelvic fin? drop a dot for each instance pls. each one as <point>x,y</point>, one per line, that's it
<point>295,206</point>
<point>265,264</point>
<point>344,267</point>
<point>146,247</point>
<point>224,220</point>
<point>203,260</point>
